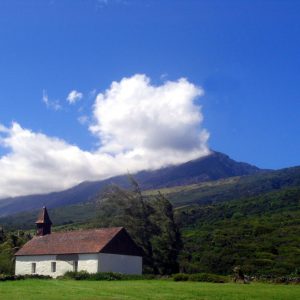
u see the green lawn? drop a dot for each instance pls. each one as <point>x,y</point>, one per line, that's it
<point>142,289</point>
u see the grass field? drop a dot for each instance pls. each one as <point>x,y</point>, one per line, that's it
<point>142,290</point>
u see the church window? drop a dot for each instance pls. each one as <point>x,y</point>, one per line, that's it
<point>75,266</point>
<point>53,266</point>
<point>33,268</point>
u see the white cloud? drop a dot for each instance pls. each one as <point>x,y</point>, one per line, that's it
<point>3,128</point>
<point>74,96</point>
<point>139,126</point>
<point>83,119</point>
<point>37,163</point>
<point>135,117</point>
<point>51,104</point>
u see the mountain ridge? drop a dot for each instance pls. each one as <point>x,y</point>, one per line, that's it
<point>211,167</point>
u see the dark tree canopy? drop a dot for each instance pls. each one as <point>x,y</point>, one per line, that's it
<point>150,222</point>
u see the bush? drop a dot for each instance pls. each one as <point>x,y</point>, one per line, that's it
<point>207,277</point>
<point>35,276</point>
<point>287,280</point>
<point>4,277</point>
<point>180,277</point>
<point>201,277</point>
<point>83,275</point>
<point>105,276</point>
<point>76,275</point>
<point>7,277</point>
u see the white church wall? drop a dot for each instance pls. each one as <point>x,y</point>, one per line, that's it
<point>87,262</point>
<point>43,265</point>
<point>125,264</point>
<point>91,263</point>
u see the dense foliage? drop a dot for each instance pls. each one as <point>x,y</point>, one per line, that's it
<point>234,188</point>
<point>205,193</point>
<point>261,234</point>
<point>201,277</point>
<point>251,221</point>
<point>150,223</point>
<point>107,276</point>
<point>9,244</point>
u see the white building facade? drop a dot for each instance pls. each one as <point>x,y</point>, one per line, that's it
<point>96,250</point>
<point>92,263</point>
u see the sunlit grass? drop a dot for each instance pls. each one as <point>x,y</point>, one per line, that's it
<point>143,289</point>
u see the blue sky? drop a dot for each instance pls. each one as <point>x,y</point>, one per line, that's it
<point>245,55</point>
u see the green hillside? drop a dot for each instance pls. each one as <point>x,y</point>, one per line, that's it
<point>232,188</point>
<point>252,221</point>
<point>202,194</point>
<point>262,234</point>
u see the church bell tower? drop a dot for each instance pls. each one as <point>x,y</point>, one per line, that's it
<point>43,223</point>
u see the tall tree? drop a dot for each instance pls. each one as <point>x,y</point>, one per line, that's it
<point>166,241</point>
<point>150,222</point>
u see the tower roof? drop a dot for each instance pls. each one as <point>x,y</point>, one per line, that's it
<point>43,217</point>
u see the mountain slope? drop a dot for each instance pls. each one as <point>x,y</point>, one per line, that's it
<point>232,188</point>
<point>252,221</point>
<point>200,194</point>
<point>212,167</point>
<point>261,234</point>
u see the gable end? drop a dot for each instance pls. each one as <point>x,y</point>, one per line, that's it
<point>123,244</point>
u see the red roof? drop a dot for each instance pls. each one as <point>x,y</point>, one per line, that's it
<point>79,241</point>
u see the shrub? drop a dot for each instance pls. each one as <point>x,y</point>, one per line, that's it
<point>83,275</point>
<point>287,280</point>
<point>36,276</point>
<point>76,275</point>
<point>105,276</point>
<point>207,277</point>
<point>180,277</point>
<point>4,277</point>
<point>203,277</point>
<point>67,275</point>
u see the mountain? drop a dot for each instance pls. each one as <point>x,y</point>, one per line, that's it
<point>261,234</point>
<point>252,221</point>
<point>212,167</point>
<point>198,194</point>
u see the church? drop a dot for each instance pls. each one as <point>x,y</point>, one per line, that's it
<point>94,250</point>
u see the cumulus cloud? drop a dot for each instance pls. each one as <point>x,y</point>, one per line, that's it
<point>51,104</point>
<point>139,126</point>
<point>37,163</point>
<point>74,96</point>
<point>133,116</point>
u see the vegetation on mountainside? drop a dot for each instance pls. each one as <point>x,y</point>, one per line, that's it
<point>9,244</point>
<point>150,223</point>
<point>261,234</point>
<point>252,221</point>
<point>204,193</point>
<point>232,188</point>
